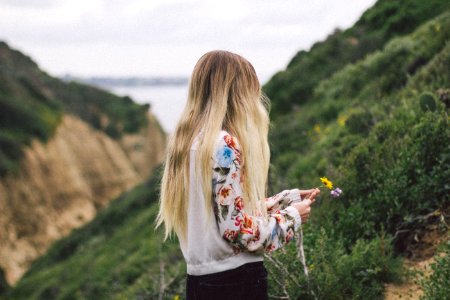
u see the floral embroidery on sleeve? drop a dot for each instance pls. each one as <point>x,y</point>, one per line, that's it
<point>243,231</point>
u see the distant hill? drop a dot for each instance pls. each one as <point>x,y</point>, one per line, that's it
<point>66,150</point>
<point>28,93</point>
<point>128,81</point>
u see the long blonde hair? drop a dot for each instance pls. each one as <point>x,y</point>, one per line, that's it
<point>224,93</point>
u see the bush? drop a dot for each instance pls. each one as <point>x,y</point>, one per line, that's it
<point>334,271</point>
<point>427,102</point>
<point>437,285</point>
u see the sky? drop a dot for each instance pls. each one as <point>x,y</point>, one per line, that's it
<point>167,37</point>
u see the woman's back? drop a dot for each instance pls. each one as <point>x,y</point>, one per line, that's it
<point>204,249</point>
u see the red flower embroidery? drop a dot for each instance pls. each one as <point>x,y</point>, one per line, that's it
<point>231,142</point>
<point>224,193</point>
<point>256,234</point>
<point>237,221</point>
<point>230,235</point>
<point>247,225</point>
<point>278,218</point>
<point>238,156</point>
<point>238,203</point>
<point>270,247</point>
<point>236,250</point>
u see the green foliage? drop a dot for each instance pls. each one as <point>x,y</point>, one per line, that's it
<point>32,105</point>
<point>390,157</point>
<point>102,110</point>
<point>427,102</point>
<point>359,274</point>
<point>385,20</point>
<point>359,121</point>
<point>334,271</point>
<point>26,111</point>
<point>437,285</point>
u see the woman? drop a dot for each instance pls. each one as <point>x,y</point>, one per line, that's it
<point>214,183</point>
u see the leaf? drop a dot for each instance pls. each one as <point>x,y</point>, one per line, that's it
<point>224,211</point>
<point>222,171</point>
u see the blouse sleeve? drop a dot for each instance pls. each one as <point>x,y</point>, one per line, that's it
<point>243,231</point>
<point>282,200</point>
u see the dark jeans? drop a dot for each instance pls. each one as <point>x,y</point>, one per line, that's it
<point>248,282</point>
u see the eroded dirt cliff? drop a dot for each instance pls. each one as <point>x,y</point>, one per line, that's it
<point>61,185</point>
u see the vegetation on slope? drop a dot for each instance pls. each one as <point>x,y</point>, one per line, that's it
<point>379,129</point>
<point>437,285</point>
<point>385,20</point>
<point>32,104</point>
<point>26,111</point>
<point>116,256</point>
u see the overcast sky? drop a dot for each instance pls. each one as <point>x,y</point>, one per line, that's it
<point>167,37</point>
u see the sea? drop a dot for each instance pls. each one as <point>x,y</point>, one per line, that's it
<point>166,101</point>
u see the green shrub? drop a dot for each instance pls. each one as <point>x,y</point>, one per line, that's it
<point>427,102</point>
<point>437,285</point>
<point>359,121</point>
<point>334,271</point>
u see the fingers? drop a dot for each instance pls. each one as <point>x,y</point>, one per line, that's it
<point>309,193</point>
<point>306,192</point>
<point>313,194</point>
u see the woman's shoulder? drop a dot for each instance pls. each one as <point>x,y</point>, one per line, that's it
<point>227,150</point>
<point>227,139</point>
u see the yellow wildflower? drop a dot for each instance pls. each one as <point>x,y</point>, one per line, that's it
<point>341,120</point>
<point>326,182</point>
<point>317,128</point>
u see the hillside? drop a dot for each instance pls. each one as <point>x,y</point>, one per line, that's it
<point>379,129</point>
<point>295,85</point>
<point>376,124</point>
<point>58,168</point>
<point>116,256</point>
<point>28,93</point>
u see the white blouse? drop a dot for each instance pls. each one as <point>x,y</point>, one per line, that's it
<point>238,238</point>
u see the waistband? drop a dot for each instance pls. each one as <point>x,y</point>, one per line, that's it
<point>245,268</point>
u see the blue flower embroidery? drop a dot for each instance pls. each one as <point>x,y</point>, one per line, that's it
<point>224,156</point>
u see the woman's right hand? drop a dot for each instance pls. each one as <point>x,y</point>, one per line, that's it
<point>304,207</point>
